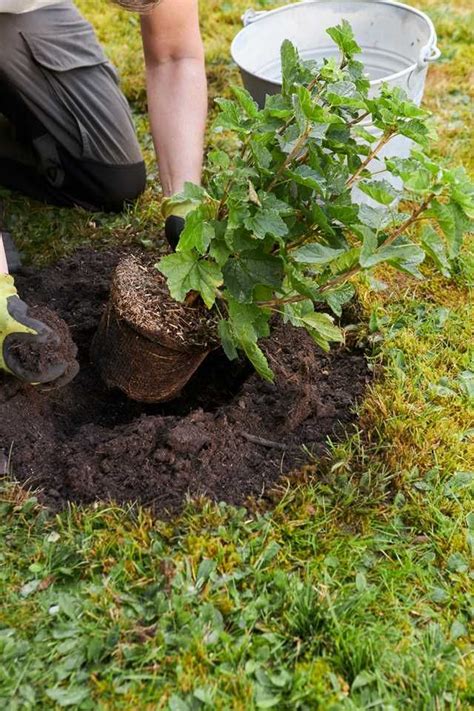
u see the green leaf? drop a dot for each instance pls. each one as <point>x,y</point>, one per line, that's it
<point>436,249</point>
<point>257,357</point>
<point>360,582</point>
<point>294,312</point>
<point>439,595</point>
<point>452,223</point>
<point>176,703</point>
<point>219,158</point>
<point>290,64</point>
<point>191,191</point>
<point>323,325</point>
<point>375,217</point>
<point>265,699</point>
<point>402,167</point>
<point>462,190</point>
<point>458,629</point>
<point>343,36</point>
<point>197,233</point>
<point>278,106</point>
<point>205,695</point>
<point>316,254</point>
<point>265,221</point>
<point>346,261</point>
<point>466,381</point>
<point>261,154</point>
<point>319,218</point>
<point>248,323</point>
<point>379,190</point>
<point>227,339</point>
<point>320,326</point>
<point>362,679</point>
<point>229,117</point>
<point>300,283</point>
<point>410,253</point>
<point>72,696</point>
<point>336,298</point>
<point>344,93</point>
<point>305,175</point>
<point>190,197</point>
<point>416,130</point>
<point>219,251</point>
<point>288,139</point>
<point>245,100</point>
<point>369,246</point>
<point>185,272</point>
<point>444,215</point>
<point>244,272</point>
<point>206,567</point>
<point>307,109</point>
<point>364,134</point>
<point>456,563</point>
<point>420,181</point>
<point>245,317</point>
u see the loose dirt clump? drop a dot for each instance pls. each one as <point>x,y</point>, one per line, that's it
<point>42,356</point>
<point>228,436</point>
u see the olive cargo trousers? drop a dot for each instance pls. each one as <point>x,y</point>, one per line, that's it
<point>67,135</point>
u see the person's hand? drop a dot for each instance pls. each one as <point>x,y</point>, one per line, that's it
<point>175,216</point>
<point>18,328</point>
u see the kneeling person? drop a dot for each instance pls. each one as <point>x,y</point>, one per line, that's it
<point>67,136</point>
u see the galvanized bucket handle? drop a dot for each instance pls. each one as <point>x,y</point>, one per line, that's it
<point>429,53</point>
<point>252,15</point>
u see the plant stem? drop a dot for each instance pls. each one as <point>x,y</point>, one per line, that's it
<point>301,240</point>
<point>390,239</point>
<point>191,298</point>
<point>230,182</point>
<point>383,141</point>
<point>409,221</point>
<point>341,278</point>
<point>290,157</point>
<point>358,119</point>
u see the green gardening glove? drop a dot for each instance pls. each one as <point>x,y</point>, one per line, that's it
<point>16,327</point>
<point>175,215</point>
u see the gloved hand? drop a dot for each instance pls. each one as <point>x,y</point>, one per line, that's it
<point>175,215</point>
<point>16,327</point>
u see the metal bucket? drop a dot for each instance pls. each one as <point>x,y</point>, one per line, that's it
<point>397,41</point>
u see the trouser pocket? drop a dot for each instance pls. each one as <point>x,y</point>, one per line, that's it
<point>83,105</point>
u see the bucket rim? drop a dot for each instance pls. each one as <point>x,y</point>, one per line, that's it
<point>420,63</point>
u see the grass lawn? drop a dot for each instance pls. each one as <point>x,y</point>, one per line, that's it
<point>355,591</point>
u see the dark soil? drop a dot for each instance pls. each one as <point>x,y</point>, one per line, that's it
<point>43,356</point>
<point>230,435</point>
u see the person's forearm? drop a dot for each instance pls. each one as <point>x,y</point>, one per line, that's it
<point>177,105</point>
<point>3,258</point>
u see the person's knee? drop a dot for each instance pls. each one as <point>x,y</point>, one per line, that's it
<point>99,186</point>
<point>123,186</point>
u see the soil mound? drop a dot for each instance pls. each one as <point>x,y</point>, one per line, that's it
<point>230,435</point>
<point>41,356</point>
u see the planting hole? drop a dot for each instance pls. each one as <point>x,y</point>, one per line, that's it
<point>228,436</point>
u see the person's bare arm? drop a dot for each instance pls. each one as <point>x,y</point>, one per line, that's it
<point>3,258</point>
<point>177,90</point>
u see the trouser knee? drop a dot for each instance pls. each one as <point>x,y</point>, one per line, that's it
<point>119,185</point>
<point>100,186</point>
